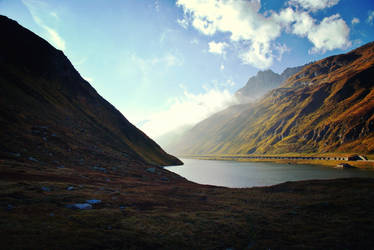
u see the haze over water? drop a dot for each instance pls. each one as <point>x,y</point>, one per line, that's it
<point>250,174</point>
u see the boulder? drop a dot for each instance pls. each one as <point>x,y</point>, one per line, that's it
<point>151,170</point>
<point>80,206</point>
<point>93,201</point>
<point>344,165</point>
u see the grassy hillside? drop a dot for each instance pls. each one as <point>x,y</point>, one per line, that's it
<point>50,113</point>
<point>326,107</point>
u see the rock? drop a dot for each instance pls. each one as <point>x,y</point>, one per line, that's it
<point>151,170</point>
<point>16,154</point>
<point>33,159</point>
<point>344,165</point>
<point>293,212</point>
<point>80,206</point>
<point>46,189</point>
<point>99,168</point>
<point>93,201</point>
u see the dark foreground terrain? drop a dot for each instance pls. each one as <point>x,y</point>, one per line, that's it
<point>144,208</point>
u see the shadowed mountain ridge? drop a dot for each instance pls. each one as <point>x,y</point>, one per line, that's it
<point>49,112</point>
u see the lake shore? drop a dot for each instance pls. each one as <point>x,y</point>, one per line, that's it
<point>140,211</point>
<point>287,159</point>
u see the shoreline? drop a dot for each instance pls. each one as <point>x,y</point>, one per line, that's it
<point>289,159</point>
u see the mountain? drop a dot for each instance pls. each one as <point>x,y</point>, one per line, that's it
<point>263,82</point>
<point>49,113</point>
<point>328,106</point>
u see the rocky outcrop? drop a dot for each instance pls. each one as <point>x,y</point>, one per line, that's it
<point>263,82</point>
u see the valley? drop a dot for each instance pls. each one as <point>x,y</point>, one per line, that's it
<point>76,174</point>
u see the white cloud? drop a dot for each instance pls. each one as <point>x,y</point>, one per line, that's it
<point>355,20</point>
<point>304,23</point>
<point>88,79</point>
<point>222,67</point>
<point>35,7</point>
<point>187,110</point>
<point>331,33</point>
<point>54,37</point>
<point>169,60</point>
<point>258,55</point>
<point>54,14</point>
<point>313,5</point>
<point>230,83</point>
<point>370,18</point>
<point>239,18</point>
<point>217,48</point>
<point>254,33</point>
<point>157,5</point>
<point>281,49</point>
<point>183,22</point>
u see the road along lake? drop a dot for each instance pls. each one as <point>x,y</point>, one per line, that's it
<point>251,174</point>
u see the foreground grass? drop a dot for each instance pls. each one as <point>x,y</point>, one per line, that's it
<point>144,213</point>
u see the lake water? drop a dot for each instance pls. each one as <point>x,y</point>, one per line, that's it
<point>250,174</point>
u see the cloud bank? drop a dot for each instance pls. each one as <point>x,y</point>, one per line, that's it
<point>187,110</point>
<point>255,33</point>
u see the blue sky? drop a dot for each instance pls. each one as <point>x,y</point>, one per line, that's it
<point>167,64</point>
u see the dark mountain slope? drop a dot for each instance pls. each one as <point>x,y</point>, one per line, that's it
<point>48,111</point>
<point>326,107</point>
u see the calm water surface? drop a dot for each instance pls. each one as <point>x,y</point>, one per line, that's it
<point>250,174</point>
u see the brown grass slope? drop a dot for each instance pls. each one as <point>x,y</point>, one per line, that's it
<point>49,112</point>
<point>326,107</point>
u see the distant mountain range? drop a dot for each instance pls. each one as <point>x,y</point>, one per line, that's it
<point>49,113</point>
<point>326,106</point>
<point>263,82</point>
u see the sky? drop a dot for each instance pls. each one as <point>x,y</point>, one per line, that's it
<point>170,64</point>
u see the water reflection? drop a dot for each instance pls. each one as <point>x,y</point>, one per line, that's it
<point>249,174</point>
